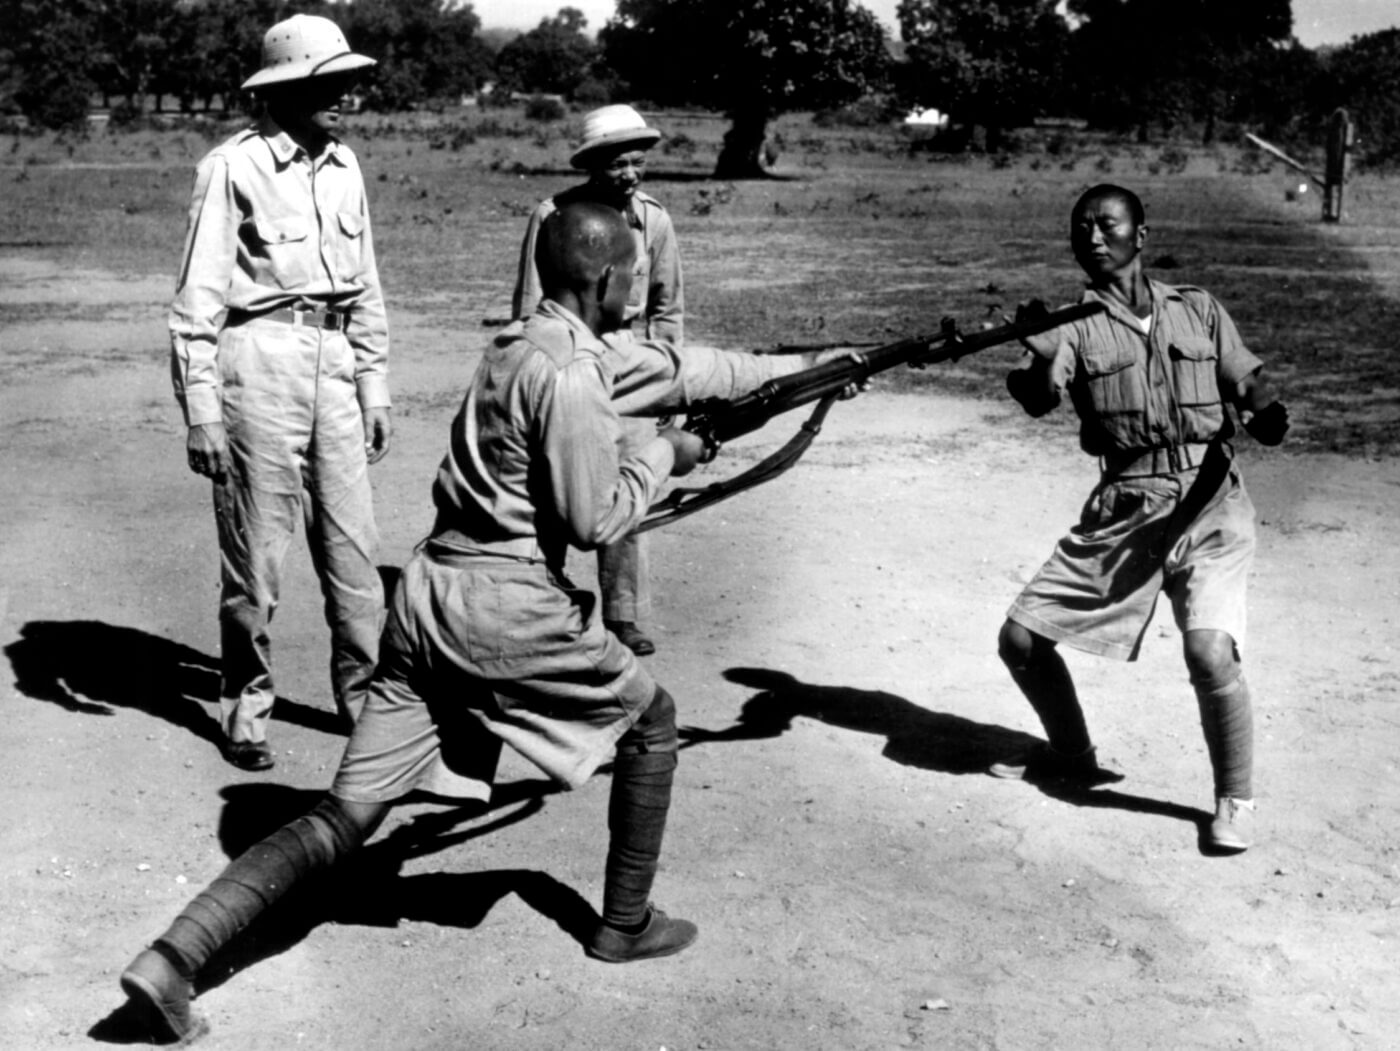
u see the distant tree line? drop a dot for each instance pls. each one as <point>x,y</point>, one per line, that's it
<point>1148,68</point>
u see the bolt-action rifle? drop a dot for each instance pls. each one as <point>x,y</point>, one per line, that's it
<point>718,421</point>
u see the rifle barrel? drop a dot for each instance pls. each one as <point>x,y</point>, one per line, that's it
<point>729,420</point>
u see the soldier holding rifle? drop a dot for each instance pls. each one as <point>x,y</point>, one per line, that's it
<point>1151,380</point>
<point>487,640</point>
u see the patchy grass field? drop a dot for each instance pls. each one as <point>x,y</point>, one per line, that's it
<point>862,240</point>
<point>830,638</point>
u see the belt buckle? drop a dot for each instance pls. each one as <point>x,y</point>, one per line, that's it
<point>334,320</point>
<point>1174,460</point>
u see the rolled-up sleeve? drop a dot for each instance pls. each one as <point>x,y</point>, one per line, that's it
<point>201,291</point>
<point>1237,362</point>
<point>597,498</point>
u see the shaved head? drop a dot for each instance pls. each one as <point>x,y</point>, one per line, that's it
<point>578,243</point>
<point>1107,191</point>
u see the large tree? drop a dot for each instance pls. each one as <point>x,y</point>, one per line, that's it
<point>554,58</point>
<point>1365,75</point>
<point>52,51</point>
<point>1172,62</point>
<point>753,59</point>
<point>990,63</point>
<point>425,48</point>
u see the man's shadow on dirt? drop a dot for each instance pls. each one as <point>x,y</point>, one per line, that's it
<point>914,736</point>
<point>93,668</point>
<point>368,889</point>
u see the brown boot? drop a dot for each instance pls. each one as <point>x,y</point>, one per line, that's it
<point>631,636</point>
<point>161,996</point>
<point>662,936</point>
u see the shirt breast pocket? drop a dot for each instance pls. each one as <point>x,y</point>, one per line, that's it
<point>1195,360</point>
<point>282,251</point>
<point>1114,380</point>
<point>349,246</point>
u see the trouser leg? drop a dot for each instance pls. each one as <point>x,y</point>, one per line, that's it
<point>1038,669</point>
<point>255,527</point>
<point>643,773</point>
<point>344,541</point>
<point>261,875</point>
<point>624,569</point>
<point>624,578</point>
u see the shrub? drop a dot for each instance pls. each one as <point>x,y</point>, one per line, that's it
<point>869,112</point>
<point>545,108</point>
<point>1174,159</point>
<point>593,93</point>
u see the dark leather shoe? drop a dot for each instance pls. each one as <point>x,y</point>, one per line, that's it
<point>249,755</point>
<point>631,636</point>
<point>162,998</point>
<point>662,936</point>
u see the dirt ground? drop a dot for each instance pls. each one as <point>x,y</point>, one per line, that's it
<point>830,639</point>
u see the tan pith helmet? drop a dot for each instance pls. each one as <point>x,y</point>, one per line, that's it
<point>304,46</point>
<point>609,128</point>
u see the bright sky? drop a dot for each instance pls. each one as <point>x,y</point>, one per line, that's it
<point>1314,21</point>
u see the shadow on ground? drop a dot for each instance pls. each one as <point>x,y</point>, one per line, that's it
<point>914,736</point>
<point>92,668</point>
<point>369,889</point>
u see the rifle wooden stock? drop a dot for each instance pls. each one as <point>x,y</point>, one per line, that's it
<point>719,421</point>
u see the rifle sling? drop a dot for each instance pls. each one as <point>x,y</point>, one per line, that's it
<point>681,503</point>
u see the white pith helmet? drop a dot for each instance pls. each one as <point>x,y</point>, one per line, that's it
<point>304,46</point>
<point>611,127</point>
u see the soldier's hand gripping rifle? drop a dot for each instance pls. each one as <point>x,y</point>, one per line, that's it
<point>718,421</point>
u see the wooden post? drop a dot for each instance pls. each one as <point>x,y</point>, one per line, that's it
<point>1341,134</point>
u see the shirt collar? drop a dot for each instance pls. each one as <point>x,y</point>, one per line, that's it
<point>1157,291</point>
<point>550,308</point>
<point>285,149</point>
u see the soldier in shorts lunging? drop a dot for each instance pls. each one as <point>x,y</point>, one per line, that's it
<point>1150,380</point>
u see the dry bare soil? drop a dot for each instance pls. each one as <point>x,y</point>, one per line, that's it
<point>859,883</point>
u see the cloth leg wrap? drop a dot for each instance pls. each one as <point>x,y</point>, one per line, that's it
<point>1227,719</point>
<point>643,772</point>
<point>255,880</point>
<point>1045,680</point>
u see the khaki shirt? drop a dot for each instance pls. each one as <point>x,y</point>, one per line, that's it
<point>1135,391</point>
<point>658,297</point>
<point>534,453</point>
<point>270,227</point>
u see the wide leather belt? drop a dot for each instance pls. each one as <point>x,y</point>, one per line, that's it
<point>315,317</point>
<point>1143,463</point>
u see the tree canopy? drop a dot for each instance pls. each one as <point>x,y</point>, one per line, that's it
<point>554,58</point>
<point>751,59</point>
<point>1172,62</point>
<point>995,63</point>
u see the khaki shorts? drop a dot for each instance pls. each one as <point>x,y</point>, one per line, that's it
<point>1098,590</point>
<point>481,650</point>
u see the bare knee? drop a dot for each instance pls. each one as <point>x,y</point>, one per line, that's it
<point>1211,658</point>
<point>1018,646</point>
